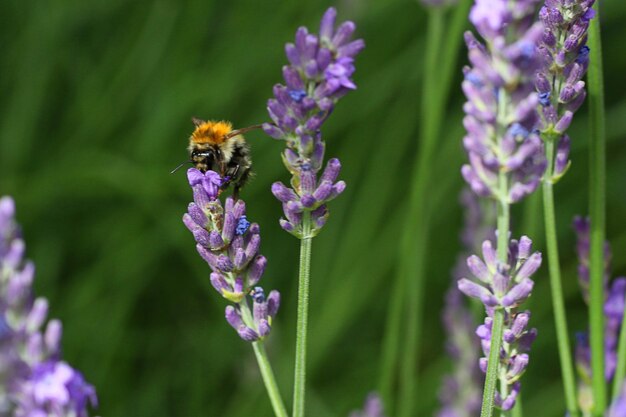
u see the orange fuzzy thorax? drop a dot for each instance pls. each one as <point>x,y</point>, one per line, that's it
<point>211,132</point>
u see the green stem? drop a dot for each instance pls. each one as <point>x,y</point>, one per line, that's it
<point>303,313</point>
<point>620,370</point>
<point>264,365</point>
<point>269,380</point>
<point>597,155</point>
<point>492,368</point>
<point>558,305</point>
<point>497,329</point>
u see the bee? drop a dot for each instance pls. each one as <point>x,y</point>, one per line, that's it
<point>217,147</point>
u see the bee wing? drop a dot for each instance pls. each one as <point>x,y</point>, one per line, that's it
<point>197,122</point>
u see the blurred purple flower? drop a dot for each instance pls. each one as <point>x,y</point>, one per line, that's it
<point>614,305</point>
<point>230,244</point>
<point>460,394</point>
<point>34,380</point>
<point>618,406</point>
<point>373,407</point>
<point>319,74</point>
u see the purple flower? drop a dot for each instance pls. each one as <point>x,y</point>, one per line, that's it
<point>35,381</point>
<point>505,286</point>
<point>618,406</point>
<point>564,62</point>
<point>501,111</point>
<point>319,73</point>
<point>230,244</point>
<point>614,304</point>
<point>373,407</point>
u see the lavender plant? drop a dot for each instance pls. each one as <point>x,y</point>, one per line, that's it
<point>613,307</point>
<point>373,407</point>
<point>565,59</point>
<point>460,391</point>
<point>229,244</point>
<point>505,163</point>
<point>319,73</point>
<point>34,380</point>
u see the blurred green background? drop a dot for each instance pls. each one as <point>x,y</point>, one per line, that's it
<point>95,110</point>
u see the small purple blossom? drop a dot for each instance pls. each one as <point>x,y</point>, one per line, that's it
<point>373,407</point>
<point>230,244</point>
<point>34,379</point>
<point>505,286</point>
<point>501,111</point>
<point>564,61</point>
<point>319,73</point>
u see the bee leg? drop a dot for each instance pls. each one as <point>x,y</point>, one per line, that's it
<point>239,183</point>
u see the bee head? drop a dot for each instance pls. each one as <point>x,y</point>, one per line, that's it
<point>208,158</point>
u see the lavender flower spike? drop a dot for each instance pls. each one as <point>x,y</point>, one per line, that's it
<point>614,305</point>
<point>34,379</point>
<point>505,286</point>
<point>373,407</point>
<point>565,59</point>
<point>501,114</point>
<point>319,73</point>
<point>229,244</point>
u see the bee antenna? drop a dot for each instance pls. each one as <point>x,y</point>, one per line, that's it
<point>178,167</point>
<point>243,130</point>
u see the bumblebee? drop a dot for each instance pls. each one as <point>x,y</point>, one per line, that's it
<point>217,147</point>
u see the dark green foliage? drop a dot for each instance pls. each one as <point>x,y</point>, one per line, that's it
<point>95,111</point>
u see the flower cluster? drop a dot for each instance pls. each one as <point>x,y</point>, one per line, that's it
<point>373,407</point>
<point>565,59</point>
<point>319,73</point>
<point>501,111</point>
<point>34,381</point>
<point>614,305</point>
<point>517,340</point>
<point>229,244</point>
<point>505,286</point>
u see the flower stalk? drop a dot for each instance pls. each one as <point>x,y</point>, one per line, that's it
<point>597,198</point>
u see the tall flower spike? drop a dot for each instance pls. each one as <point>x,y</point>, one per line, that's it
<point>460,394</point>
<point>319,73</point>
<point>614,304</point>
<point>564,62</point>
<point>34,380</point>
<point>501,115</point>
<point>229,244</point>
<point>505,286</point>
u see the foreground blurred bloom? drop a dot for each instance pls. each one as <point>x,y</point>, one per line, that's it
<point>618,406</point>
<point>505,286</point>
<point>319,74</point>
<point>614,305</point>
<point>501,111</point>
<point>564,61</point>
<point>373,407</point>
<point>229,244</point>
<point>33,379</point>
